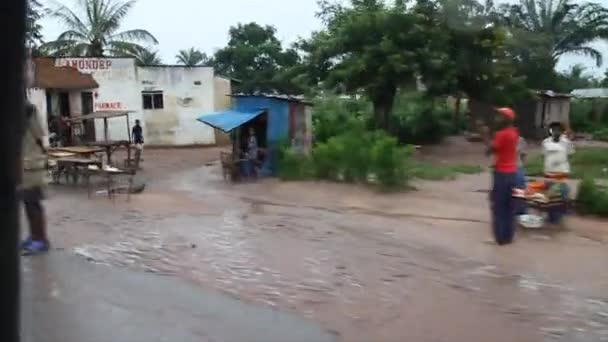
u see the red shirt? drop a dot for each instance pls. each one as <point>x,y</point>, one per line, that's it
<point>505,150</point>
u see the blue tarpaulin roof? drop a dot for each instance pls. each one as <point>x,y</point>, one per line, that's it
<point>230,119</point>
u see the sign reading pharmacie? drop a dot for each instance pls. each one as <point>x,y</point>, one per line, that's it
<point>85,65</point>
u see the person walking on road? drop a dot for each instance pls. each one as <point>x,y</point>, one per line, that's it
<point>504,149</point>
<point>138,135</point>
<point>33,183</point>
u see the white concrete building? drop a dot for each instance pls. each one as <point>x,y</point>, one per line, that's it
<point>166,99</point>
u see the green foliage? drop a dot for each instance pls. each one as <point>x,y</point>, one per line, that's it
<point>543,31</point>
<point>585,162</point>
<point>418,119</point>
<point>388,162</point>
<point>591,199</point>
<point>192,57</point>
<point>575,78</point>
<point>92,30</point>
<point>353,157</point>
<point>369,47</point>
<point>33,29</point>
<point>255,57</point>
<point>294,166</point>
<point>147,57</point>
<point>333,116</point>
<point>581,116</point>
<point>601,134</point>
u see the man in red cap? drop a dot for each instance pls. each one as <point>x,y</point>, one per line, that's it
<point>504,149</point>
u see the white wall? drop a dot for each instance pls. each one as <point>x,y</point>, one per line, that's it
<point>37,97</point>
<point>121,84</point>
<point>184,101</point>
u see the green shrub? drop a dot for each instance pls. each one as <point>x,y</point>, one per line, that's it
<point>418,119</point>
<point>601,134</point>
<point>333,116</point>
<point>388,162</point>
<point>294,166</point>
<point>591,199</point>
<point>581,116</point>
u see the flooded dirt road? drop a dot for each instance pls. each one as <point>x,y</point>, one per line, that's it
<point>369,267</point>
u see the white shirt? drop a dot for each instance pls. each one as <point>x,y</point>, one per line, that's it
<point>556,155</point>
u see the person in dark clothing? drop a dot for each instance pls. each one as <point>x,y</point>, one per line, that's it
<point>33,184</point>
<point>138,134</point>
<point>504,149</point>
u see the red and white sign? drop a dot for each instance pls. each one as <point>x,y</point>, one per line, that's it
<point>85,65</point>
<point>108,106</point>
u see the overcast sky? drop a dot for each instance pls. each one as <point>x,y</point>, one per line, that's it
<point>204,24</point>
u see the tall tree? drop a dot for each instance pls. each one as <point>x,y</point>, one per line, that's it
<point>93,30</point>
<point>370,47</point>
<point>467,53</point>
<point>576,78</point>
<point>192,57</point>
<point>33,29</point>
<point>543,31</point>
<point>256,57</point>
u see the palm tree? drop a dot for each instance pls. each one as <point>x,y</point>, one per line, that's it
<point>33,34</point>
<point>192,57</point>
<point>549,29</point>
<point>93,30</point>
<point>147,57</point>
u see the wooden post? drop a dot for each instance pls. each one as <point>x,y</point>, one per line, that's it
<point>12,128</point>
<point>130,141</point>
<point>105,129</point>
<point>129,129</point>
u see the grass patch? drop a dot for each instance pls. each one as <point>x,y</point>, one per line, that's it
<point>586,162</point>
<point>592,199</point>
<point>434,172</point>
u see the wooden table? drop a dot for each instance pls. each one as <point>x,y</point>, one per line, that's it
<point>75,167</point>
<point>85,151</point>
<point>111,146</point>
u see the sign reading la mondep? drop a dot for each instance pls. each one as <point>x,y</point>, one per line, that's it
<point>85,65</point>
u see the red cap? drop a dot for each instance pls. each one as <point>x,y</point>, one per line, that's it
<point>507,112</point>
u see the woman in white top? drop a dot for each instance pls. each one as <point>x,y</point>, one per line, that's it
<point>556,150</point>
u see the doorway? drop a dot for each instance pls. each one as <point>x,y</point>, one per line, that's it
<point>65,114</point>
<point>86,98</point>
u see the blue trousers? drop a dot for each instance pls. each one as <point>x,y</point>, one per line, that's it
<point>503,207</point>
<point>521,183</point>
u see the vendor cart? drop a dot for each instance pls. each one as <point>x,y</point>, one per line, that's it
<point>543,203</point>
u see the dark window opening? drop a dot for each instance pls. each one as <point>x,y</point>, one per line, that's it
<point>153,100</point>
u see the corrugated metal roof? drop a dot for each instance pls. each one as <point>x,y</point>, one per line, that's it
<point>591,93</point>
<point>229,119</point>
<point>290,98</point>
<point>551,93</point>
<point>48,76</point>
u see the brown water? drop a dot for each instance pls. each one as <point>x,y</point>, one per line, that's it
<point>405,267</point>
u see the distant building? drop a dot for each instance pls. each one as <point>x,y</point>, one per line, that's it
<point>591,93</point>
<point>166,99</point>
<point>533,116</point>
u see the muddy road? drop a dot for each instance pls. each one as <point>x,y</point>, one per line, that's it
<point>369,267</point>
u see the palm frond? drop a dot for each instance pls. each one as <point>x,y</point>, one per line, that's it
<point>123,49</point>
<point>72,35</point>
<point>139,35</point>
<point>587,52</point>
<point>68,17</point>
